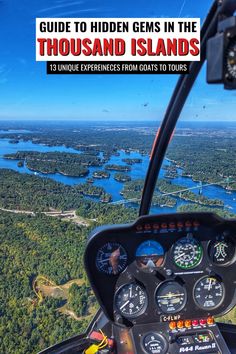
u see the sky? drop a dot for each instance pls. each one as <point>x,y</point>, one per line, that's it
<point>26,92</point>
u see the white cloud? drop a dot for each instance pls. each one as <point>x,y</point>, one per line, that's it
<point>61,6</point>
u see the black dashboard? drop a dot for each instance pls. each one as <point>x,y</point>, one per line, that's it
<point>183,255</point>
<point>176,269</point>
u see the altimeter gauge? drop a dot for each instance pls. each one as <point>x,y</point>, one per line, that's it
<point>111,258</point>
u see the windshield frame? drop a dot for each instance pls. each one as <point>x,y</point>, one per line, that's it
<point>177,102</point>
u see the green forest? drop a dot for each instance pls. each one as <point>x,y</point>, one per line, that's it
<point>26,192</point>
<point>43,245</point>
<point>32,245</point>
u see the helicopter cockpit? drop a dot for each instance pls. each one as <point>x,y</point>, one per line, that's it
<point>162,280</point>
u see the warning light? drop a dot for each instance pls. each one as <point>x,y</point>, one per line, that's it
<point>195,323</point>
<point>172,325</point>
<point>180,324</point>
<point>188,323</point>
<point>210,320</point>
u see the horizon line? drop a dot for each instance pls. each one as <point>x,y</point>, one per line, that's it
<point>111,120</point>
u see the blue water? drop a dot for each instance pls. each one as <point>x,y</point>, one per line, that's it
<point>138,171</point>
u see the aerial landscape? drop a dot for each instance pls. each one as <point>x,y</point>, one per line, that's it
<point>56,187</point>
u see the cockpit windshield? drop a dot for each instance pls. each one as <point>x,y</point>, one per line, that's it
<point>198,173</point>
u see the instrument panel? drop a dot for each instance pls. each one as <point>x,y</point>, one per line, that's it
<point>164,268</point>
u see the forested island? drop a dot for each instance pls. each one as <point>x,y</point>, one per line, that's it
<point>133,191</point>
<point>101,174</point>
<point>131,161</point>
<point>122,177</point>
<point>68,164</point>
<point>119,168</point>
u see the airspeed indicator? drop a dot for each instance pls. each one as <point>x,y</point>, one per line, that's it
<point>187,253</point>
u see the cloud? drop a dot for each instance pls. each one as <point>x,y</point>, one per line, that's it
<point>74,12</point>
<point>181,9</point>
<point>60,6</point>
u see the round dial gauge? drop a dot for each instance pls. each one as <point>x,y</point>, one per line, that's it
<point>208,293</point>
<point>154,343</point>
<point>222,251</point>
<point>131,300</point>
<point>111,258</point>
<point>231,59</point>
<point>150,254</point>
<point>187,253</point>
<point>171,297</point>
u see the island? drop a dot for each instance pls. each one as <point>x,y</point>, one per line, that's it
<point>132,191</point>
<point>90,180</point>
<point>101,174</point>
<point>20,163</point>
<point>120,168</point>
<point>122,177</point>
<point>67,164</point>
<point>132,161</point>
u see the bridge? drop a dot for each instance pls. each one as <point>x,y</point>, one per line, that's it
<point>200,186</point>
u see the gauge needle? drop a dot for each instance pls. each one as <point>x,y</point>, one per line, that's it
<point>209,287</point>
<point>130,291</point>
<point>104,260</point>
<point>126,303</point>
<point>179,256</point>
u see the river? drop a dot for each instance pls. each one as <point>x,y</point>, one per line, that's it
<point>111,186</point>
